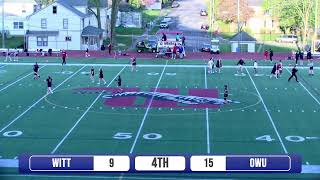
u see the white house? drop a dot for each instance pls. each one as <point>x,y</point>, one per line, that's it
<point>243,42</point>
<point>156,4</point>
<point>15,13</point>
<point>64,24</point>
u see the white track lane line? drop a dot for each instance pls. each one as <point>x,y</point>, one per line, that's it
<point>34,104</point>
<point>207,114</point>
<point>82,116</point>
<point>19,80</point>
<point>145,65</point>
<point>306,89</point>
<point>147,111</point>
<point>270,118</point>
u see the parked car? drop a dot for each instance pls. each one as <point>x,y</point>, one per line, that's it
<point>167,19</point>
<point>164,24</point>
<point>205,47</point>
<point>203,12</point>
<point>288,39</point>
<point>175,4</point>
<point>205,26</point>
<point>147,46</point>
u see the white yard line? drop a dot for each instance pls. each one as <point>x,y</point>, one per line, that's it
<point>306,89</point>
<point>143,65</point>
<point>207,114</point>
<point>147,111</point>
<point>270,118</point>
<point>34,104</point>
<point>82,116</point>
<point>19,80</point>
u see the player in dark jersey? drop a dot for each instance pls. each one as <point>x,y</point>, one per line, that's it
<point>133,64</point>
<point>49,84</point>
<point>293,73</point>
<point>225,94</point>
<point>92,74</point>
<point>36,71</point>
<point>119,81</point>
<point>273,71</point>
<point>219,65</point>
<point>101,77</point>
<point>240,64</point>
<point>64,57</point>
<point>87,53</point>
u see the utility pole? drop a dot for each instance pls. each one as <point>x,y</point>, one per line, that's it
<point>212,16</point>
<point>238,12</point>
<point>315,35</point>
<point>3,43</point>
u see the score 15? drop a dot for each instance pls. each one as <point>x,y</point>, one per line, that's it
<point>208,163</point>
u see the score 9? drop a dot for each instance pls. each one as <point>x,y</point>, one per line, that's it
<point>111,162</point>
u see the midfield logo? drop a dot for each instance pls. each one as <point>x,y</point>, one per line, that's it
<point>163,97</point>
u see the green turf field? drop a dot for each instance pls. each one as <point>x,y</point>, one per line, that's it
<point>273,116</point>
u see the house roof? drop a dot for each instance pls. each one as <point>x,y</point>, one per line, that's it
<point>242,36</point>
<point>91,31</point>
<point>43,33</point>
<point>67,5</point>
<point>84,3</point>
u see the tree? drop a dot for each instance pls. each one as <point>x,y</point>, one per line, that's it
<point>44,2</point>
<point>114,16</point>
<point>97,5</point>
<point>228,11</point>
<point>135,3</point>
<point>294,15</point>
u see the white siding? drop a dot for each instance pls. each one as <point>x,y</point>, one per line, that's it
<point>251,46</point>
<point>55,23</point>
<point>9,25</point>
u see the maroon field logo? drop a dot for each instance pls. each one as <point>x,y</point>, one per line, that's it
<point>162,97</point>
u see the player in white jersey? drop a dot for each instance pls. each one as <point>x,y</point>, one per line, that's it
<point>310,64</point>
<point>210,66</point>
<point>255,67</point>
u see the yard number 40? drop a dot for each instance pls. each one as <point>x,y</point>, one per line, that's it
<point>268,138</point>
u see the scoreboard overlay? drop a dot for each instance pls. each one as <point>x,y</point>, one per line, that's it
<point>160,163</point>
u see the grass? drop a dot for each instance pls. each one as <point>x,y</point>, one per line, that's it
<point>150,15</point>
<point>225,48</point>
<point>72,121</point>
<point>276,48</point>
<point>129,31</point>
<point>14,42</point>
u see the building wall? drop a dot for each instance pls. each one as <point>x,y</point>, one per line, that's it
<point>55,23</point>
<point>261,22</point>
<point>156,5</point>
<point>251,46</point>
<point>9,25</point>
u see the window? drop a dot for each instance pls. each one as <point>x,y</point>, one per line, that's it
<point>35,8</point>
<point>42,41</point>
<point>54,9</point>
<point>44,23</point>
<point>68,38</point>
<point>17,25</point>
<point>65,23</point>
